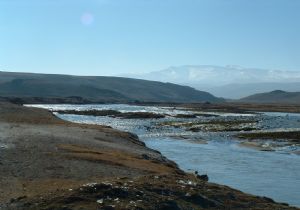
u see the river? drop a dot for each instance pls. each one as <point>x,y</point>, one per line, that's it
<point>274,174</point>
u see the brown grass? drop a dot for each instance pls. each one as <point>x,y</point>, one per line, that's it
<point>115,157</point>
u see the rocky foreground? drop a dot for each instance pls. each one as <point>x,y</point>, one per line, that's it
<point>48,163</point>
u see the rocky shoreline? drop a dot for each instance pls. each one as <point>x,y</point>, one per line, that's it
<point>48,163</point>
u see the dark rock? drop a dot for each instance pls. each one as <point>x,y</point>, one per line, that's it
<point>194,129</point>
<point>146,157</point>
<point>201,201</point>
<point>117,193</point>
<point>17,199</point>
<point>269,199</point>
<point>108,208</point>
<point>231,196</point>
<point>185,116</point>
<point>73,199</point>
<point>203,177</point>
<point>60,208</point>
<point>168,205</point>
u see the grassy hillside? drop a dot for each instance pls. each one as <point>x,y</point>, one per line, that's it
<point>97,89</point>
<point>277,96</point>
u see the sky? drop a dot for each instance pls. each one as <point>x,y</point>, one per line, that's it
<point>113,37</point>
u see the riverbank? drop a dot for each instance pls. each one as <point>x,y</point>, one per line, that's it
<point>48,163</point>
<point>232,107</point>
<point>223,106</point>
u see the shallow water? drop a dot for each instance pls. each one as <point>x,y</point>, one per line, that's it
<point>272,174</point>
<point>261,173</point>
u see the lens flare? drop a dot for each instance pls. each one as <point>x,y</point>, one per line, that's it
<point>87,19</point>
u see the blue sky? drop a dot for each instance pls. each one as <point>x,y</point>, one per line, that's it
<point>109,37</point>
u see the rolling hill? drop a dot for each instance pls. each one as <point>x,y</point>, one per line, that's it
<point>277,96</point>
<point>96,89</point>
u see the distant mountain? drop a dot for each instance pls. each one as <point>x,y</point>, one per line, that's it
<point>97,89</point>
<point>237,91</point>
<point>277,96</point>
<point>228,81</point>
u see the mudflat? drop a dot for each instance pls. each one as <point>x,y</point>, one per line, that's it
<point>48,163</point>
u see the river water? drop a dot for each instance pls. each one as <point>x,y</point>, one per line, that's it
<point>273,174</point>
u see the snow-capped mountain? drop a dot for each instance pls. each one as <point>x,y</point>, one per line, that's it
<point>219,75</point>
<point>216,79</point>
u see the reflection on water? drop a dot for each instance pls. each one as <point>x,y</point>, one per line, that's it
<point>272,174</point>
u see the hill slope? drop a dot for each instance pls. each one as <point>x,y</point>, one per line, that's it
<point>97,89</point>
<point>277,96</point>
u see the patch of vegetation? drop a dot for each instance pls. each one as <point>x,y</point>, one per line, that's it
<point>293,136</point>
<point>114,113</point>
<point>215,125</point>
<point>222,129</point>
<point>90,112</point>
<point>195,115</point>
<point>185,116</point>
<point>140,115</point>
<point>206,115</point>
<point>229,122</point>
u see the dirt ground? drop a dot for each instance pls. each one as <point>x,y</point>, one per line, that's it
<point>48,163</point>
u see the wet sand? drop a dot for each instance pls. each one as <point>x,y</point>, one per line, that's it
<point>47,163</point>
